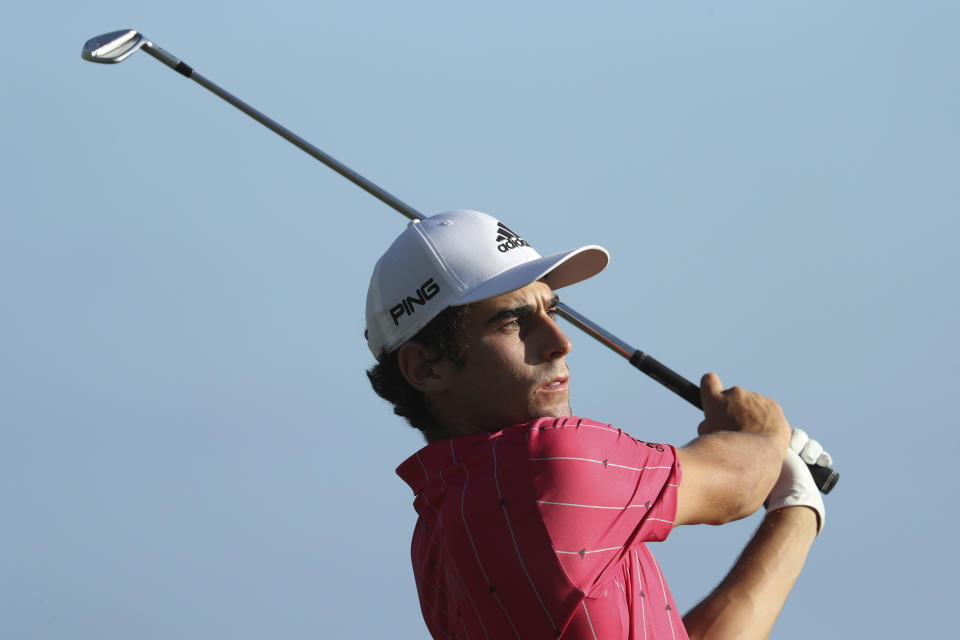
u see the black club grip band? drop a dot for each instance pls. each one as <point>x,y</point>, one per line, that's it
<point>825,477</point>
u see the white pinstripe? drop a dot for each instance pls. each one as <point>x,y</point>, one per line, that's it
<point>427,502</point>
<point>513,537</point>
<point>586,553</point>
<point>464,625</point>
<point>609,464</point>
<point>589,621</point>
<point>565,458</point>
<point>449,596</point>
<point>435,609</point>
<point>435,510</point>
<point>643,606</point>
<point>579,425</point>
<point>426,476</point>
<point>463,516</point>
<point>441,543</point>
<point>621,466</point>
<point>592,506</point>
<point>447,616</point>
<point>415,546</point>
<point>597,426</point>
<point>472,604</point>
<point>436,587</point>
<point>462,583</point>
<point>666,597</point>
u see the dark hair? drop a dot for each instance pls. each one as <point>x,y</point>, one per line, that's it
<point>442,335</point>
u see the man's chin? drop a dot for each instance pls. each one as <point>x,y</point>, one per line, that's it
<point>559,410</point>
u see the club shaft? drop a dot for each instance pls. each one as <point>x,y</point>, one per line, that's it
<point>645,363</point>
<point>826,478</point>
<point>345,171</point>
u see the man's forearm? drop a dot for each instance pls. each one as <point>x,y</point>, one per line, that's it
<point>729,470</point>
<point>746,604</point>
<point>727,475</point>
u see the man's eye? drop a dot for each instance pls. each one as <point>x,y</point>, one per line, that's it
<point>513,325</point>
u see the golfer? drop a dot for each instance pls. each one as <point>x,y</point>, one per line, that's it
<point>533,523</point>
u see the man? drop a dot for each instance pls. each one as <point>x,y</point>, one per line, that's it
<point>532,522</point>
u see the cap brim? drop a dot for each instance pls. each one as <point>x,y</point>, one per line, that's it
<point>559,270</point>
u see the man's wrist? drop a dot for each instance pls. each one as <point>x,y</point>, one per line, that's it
<point>803,518</point>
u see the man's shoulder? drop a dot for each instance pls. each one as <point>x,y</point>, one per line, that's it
<point>555,446</point>
<point>574,433</point>
<point>567,431</point>
<point>539,440</point>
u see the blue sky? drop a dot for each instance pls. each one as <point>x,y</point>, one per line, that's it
<point>190,447</point>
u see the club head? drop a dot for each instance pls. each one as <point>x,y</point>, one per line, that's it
<point>112,47</point>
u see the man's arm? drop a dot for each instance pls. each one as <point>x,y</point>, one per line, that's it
<point>746,604</point>
<point>729,470</point>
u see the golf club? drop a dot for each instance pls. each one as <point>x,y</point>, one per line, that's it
<point>117,46</point>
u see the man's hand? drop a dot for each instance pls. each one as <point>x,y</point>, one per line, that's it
<point>736,409</point>
<point>748,432</point>
<point>795,486</point>
<point>729,470</point>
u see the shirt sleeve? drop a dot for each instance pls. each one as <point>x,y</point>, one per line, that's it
<point>600,492</point>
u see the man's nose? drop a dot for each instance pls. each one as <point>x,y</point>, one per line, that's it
<point>554,342</point>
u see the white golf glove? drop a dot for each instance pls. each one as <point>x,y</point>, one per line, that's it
<point>795,486</point>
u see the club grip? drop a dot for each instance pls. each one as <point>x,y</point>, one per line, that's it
<point>825,477</point>
<point>667,377</point>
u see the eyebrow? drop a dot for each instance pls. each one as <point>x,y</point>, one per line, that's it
<point>520,311</point>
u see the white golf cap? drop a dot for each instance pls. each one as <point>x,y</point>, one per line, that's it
<point>456,258</point>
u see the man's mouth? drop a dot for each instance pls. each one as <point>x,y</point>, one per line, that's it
<point>556,385</point>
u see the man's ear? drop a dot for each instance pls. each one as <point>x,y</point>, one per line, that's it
<point>422,368</point>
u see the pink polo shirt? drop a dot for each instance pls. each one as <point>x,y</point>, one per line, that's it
<point>538,531</point>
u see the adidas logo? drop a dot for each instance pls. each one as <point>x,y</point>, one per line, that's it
<point>508,239</point>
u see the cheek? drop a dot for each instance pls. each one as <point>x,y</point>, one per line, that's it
<point>499,377</point>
